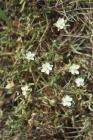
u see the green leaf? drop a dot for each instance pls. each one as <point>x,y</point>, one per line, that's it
<point>3,15</point>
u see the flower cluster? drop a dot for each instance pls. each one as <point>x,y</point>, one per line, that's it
<point>74,69</point>
<point>46,67</point>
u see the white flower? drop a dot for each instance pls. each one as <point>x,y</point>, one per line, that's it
<point>74,69</point>
<point>79,82</point>
<point>30,56</point>
<point>60,24</point>
<point>46,68</point>
<point>67,101</point>
<point>25,90</point>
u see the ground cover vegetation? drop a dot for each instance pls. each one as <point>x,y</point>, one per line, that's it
<point>46,69</point>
